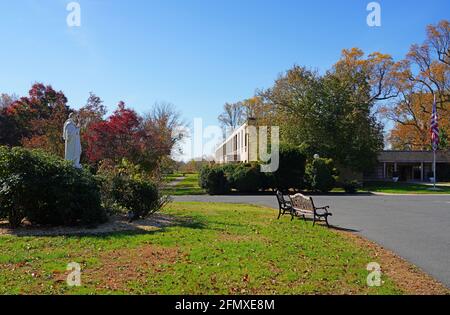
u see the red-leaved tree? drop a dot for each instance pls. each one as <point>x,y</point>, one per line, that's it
<point>116,138</point>
<point>35,120</point>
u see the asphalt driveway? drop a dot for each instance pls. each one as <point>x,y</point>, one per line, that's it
<point>415,227</point>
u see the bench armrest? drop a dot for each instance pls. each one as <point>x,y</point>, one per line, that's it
<point>323,208</point>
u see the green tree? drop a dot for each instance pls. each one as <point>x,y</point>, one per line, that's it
<point>291,170</point>
<point>330,115</point>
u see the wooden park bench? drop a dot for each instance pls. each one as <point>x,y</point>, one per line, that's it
<point>303,206</point>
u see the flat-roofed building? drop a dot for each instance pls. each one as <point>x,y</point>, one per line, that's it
<point>235,148</point>
<point>410,166</point>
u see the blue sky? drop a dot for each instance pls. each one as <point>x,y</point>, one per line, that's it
<point>196,54</point>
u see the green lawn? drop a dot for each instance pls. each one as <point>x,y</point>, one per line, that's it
<point>403,188</point>
<point>188,186</point>
<point>212,249</point>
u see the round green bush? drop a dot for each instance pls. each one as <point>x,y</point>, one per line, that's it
<point>321,175</point>
<point>214,180</point>
<point>46,190</point>
<point>126,188</point>
<point>351,187</point>
<point>139,196</point>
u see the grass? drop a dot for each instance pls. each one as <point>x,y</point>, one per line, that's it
<point>404,188</point>
<point>212,249</point>
<point>188,186</point>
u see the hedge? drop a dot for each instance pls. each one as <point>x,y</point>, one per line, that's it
<point>248,178</point>
<point>319,175</point>
<point>46,190</point>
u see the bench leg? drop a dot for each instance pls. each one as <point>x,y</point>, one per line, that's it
<point>279,215</point>
<point>326,220</point>
<point>314,220</point>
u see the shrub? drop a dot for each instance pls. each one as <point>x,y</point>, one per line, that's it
<point>203,175</point>
<point>351,187</point>
<point>11,207</point>
<point>291,171</point>
<point>247,178</point>
<point>268,181</point>
<point>229,171</point>
<point>46,190</point>
<point>214,180</point>
<point>138,196</point>
<point>321,175</point>
<point>125,188</point>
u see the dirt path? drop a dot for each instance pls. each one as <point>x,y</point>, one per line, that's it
<point>175,182</point>
<point>114,224</point>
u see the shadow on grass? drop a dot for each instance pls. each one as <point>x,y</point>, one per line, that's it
<point>308,220</point>
<point>117,226</point>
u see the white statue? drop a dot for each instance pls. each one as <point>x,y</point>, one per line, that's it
<point>71,135</point>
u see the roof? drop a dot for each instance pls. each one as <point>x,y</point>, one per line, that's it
<point>413,156</point>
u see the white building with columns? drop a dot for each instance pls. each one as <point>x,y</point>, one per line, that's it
<point>240,146</point>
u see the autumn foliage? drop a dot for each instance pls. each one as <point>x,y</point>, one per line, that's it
<point>421,76</point>
<point>36,121</point>
<point>341,113</point>
<point>117,137</point>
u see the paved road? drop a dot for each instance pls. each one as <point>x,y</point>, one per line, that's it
<point>415,227</point>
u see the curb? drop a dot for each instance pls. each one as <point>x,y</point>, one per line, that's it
<point>415,195</point>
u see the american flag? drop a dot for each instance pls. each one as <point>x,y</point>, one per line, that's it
<point>434,126</point>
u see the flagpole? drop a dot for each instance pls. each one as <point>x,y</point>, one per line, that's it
<point>435,139</point>
<point>434,169</point>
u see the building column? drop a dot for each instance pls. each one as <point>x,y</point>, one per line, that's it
<point>395,167</point>
<point>422,172</point>
<point>384,170</point>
